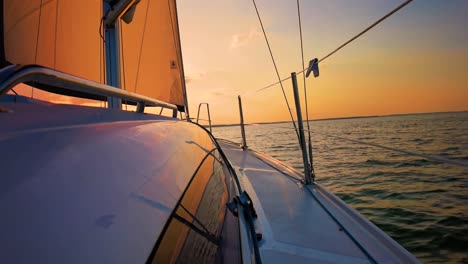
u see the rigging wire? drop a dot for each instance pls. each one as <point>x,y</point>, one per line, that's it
<point>101,50</point>
<point>276,68</point>
<point>37,41</point>
<point>346,43</point>
<point>311,160</point>
<point>141,45</point>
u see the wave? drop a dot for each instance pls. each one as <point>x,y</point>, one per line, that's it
<point>376,162</point>
<point>417,163</point>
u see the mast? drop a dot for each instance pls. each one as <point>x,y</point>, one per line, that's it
<point>113,9</point>
<point>152,68</point>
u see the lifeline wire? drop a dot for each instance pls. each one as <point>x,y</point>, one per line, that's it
<point>276,68</point>
<point>346,43</point>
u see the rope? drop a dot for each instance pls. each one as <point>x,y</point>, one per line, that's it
<point>311,160</point>
<point>141,45</point>
<point>346,43</point>
<point>276,68</point>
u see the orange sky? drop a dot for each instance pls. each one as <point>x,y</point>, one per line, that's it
<point>413,62</point>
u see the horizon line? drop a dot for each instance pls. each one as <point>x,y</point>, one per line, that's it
<point>339,118</point>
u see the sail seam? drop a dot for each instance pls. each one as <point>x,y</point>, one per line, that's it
<point>23,17</point>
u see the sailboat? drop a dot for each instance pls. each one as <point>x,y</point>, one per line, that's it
<point>84,184</point>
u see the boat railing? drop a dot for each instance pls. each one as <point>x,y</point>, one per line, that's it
<point>58,82</point>
<point>208,112</point>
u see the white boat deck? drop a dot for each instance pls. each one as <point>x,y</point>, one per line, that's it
<point>303,224</point>
<point>89,185</point>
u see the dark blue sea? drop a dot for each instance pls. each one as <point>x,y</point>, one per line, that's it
<point>421,203</point>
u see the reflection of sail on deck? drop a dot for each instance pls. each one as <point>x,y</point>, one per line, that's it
<point>64,35</point>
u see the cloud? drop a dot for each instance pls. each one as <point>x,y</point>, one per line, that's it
<point>241,40</point>
<point>219,92</point>
<point>193,73</point>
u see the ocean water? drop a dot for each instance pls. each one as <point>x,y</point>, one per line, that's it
<point>420,203</point>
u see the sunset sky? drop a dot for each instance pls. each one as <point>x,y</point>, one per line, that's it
<point>416,61</point>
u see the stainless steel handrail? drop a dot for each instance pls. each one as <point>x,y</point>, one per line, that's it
<point>208,109</point>
<point>47,76</point>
